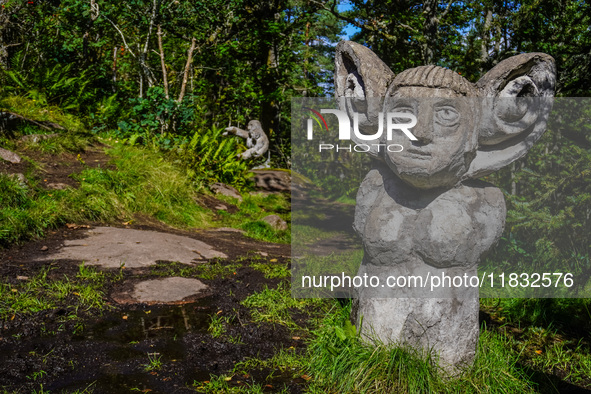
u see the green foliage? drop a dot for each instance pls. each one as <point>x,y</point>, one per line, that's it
<point>568,314</point>
<point>14,194</point>
<point>154,362</point>
<point>38,111</point>
<point>272,270</point>
<point>252,209</point>
<point>216,269</point>
<point>156,118</point>
<point>548,222</point>
<point>106,113</point>
<point>549,333</point>
<point>342,361</point>
<point>249,59</point>
<point>212,158</point>
<point>144,183</point>
<point>55,85</point>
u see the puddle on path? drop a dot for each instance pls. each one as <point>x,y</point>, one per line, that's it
<point>110,355</point>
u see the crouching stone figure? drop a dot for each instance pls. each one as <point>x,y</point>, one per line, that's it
<point>256,139</point>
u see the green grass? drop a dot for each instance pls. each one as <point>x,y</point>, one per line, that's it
<point>216,269</point>
<point>154,362</point>
<point>505,362</point>
<point>304,235</point>
<point>39,111</point>
<point>66,142</point>
<point>508,359</point>
<point>273,305</point>
<point>143,183</point>
<point>217,325</point>
<point>252,209</point>
<point>271,269</point>
<point>84,292</point>
<point>208,270</point>
<point>220,384</point>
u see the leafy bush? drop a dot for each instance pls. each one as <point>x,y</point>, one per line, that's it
<point>156,118</point>
<point>60,85</point>
<point>212,158</point>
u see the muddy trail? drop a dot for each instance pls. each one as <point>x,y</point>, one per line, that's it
<point>143,334</point>
<point>150,346</point>
<point>64,350</point>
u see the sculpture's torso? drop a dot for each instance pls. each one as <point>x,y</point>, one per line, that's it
<point>443,228</point>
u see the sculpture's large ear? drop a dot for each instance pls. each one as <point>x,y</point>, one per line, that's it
<point>361,81</point>
<point>516,97</point>
<point>360,72</point>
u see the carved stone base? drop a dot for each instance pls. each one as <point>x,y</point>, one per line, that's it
<point>446,327</point>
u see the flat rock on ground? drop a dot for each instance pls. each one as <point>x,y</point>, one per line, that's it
<point>109,247</point>
<point>163,291</point>
<point>272,180</point>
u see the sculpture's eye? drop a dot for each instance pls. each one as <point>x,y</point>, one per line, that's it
<point>447,116</point>
<point>405,110</point>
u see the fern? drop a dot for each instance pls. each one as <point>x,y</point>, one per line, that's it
<point>213,158</point>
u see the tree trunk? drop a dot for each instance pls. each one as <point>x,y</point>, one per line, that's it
<point>94,14</point>
<point>162,63</point>
<point>114,69</point>
<point>145,69</point>
<point>429,30</point>
<point>485,40</point>
<point>187,68</point>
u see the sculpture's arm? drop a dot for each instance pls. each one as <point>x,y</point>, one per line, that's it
<point>235,130</point>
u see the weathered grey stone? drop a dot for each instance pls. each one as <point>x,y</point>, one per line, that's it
<point>419,212</point>
<point>57,186</point>
<point>256,139</point>
<point>111,247</point>
<point>450,228</point>
<point>276,222</point>
<point>167,290</point>
<point>449,326</point>
<point>10,156</point>
<point>230,230</point>
<point>272,180</point>
<point>225,190</point>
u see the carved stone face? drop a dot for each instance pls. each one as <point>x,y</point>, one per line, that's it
<point>488,136</point>
<point>254,128</point>
<point>446,134</point>
<point>252,125</point>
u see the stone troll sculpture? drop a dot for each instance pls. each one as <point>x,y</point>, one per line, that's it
<point>256,139</point>
<point>422,210</point>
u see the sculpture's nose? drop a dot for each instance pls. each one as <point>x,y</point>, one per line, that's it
<point>424,128</point>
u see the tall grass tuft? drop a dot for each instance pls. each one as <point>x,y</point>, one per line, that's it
<point>143,183</point>
<point>341,361</point>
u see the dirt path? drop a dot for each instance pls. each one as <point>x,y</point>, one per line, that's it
<point>113,349</point>
<point>162,290</point>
